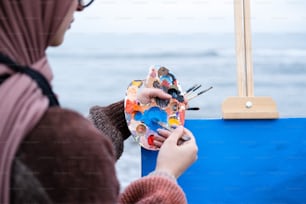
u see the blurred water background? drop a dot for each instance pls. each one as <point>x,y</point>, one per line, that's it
<point>95,69</point>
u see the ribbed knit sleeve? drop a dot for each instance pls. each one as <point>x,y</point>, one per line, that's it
<point>153,189</point>
<point>110,120</point>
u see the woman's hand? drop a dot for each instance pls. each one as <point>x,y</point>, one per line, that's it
<point>175,158</point>
<point>146,95</point>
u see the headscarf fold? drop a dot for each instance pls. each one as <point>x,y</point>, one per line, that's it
<point>26,29</point>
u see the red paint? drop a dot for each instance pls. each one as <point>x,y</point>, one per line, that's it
<point>151,140</point>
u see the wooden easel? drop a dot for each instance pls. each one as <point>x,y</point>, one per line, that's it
<point>246,105</point>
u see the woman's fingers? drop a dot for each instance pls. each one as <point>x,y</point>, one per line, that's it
<point>164,133</point>
<point>157,143</point>
<point>154,92</point>
<point>147,94</point>
<point>159,138</point>
<point>170,152</point>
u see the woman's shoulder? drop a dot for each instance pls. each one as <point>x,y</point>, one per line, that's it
<point>61,126</point>
<point>62,117</point>
<point>70,156</point>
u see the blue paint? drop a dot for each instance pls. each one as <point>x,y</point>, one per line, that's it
<point>137,116</point>
<point>245,161</point>
<point>154,114</point>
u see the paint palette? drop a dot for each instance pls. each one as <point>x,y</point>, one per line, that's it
<point>144,119</point>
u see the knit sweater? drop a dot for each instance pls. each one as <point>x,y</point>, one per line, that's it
<point>69,160</point>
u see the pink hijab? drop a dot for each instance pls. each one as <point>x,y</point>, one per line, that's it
<point>26,28</point>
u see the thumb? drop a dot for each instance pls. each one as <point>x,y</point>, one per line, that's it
<point>176,134</point>
<point>154,92</point>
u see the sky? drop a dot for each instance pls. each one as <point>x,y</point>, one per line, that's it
<point>188,16</point>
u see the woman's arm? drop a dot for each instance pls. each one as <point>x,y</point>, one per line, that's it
<point>110,120</point>
<point>158,187</point>
<point>172,160</point>
<point>71,159</point>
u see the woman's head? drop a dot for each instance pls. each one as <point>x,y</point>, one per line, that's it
<point>28,27</point>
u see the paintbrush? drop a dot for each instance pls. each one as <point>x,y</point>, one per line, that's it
<point>192,89</point>
<point>197,94</point>
<point>193,108</point>
<point>184,138</point>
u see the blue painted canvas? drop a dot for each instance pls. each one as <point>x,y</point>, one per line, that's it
<point>244,161</point>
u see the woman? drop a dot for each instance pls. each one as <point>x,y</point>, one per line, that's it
<point>53,155</point>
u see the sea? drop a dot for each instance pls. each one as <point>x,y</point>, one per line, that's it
<point>96,68</point>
